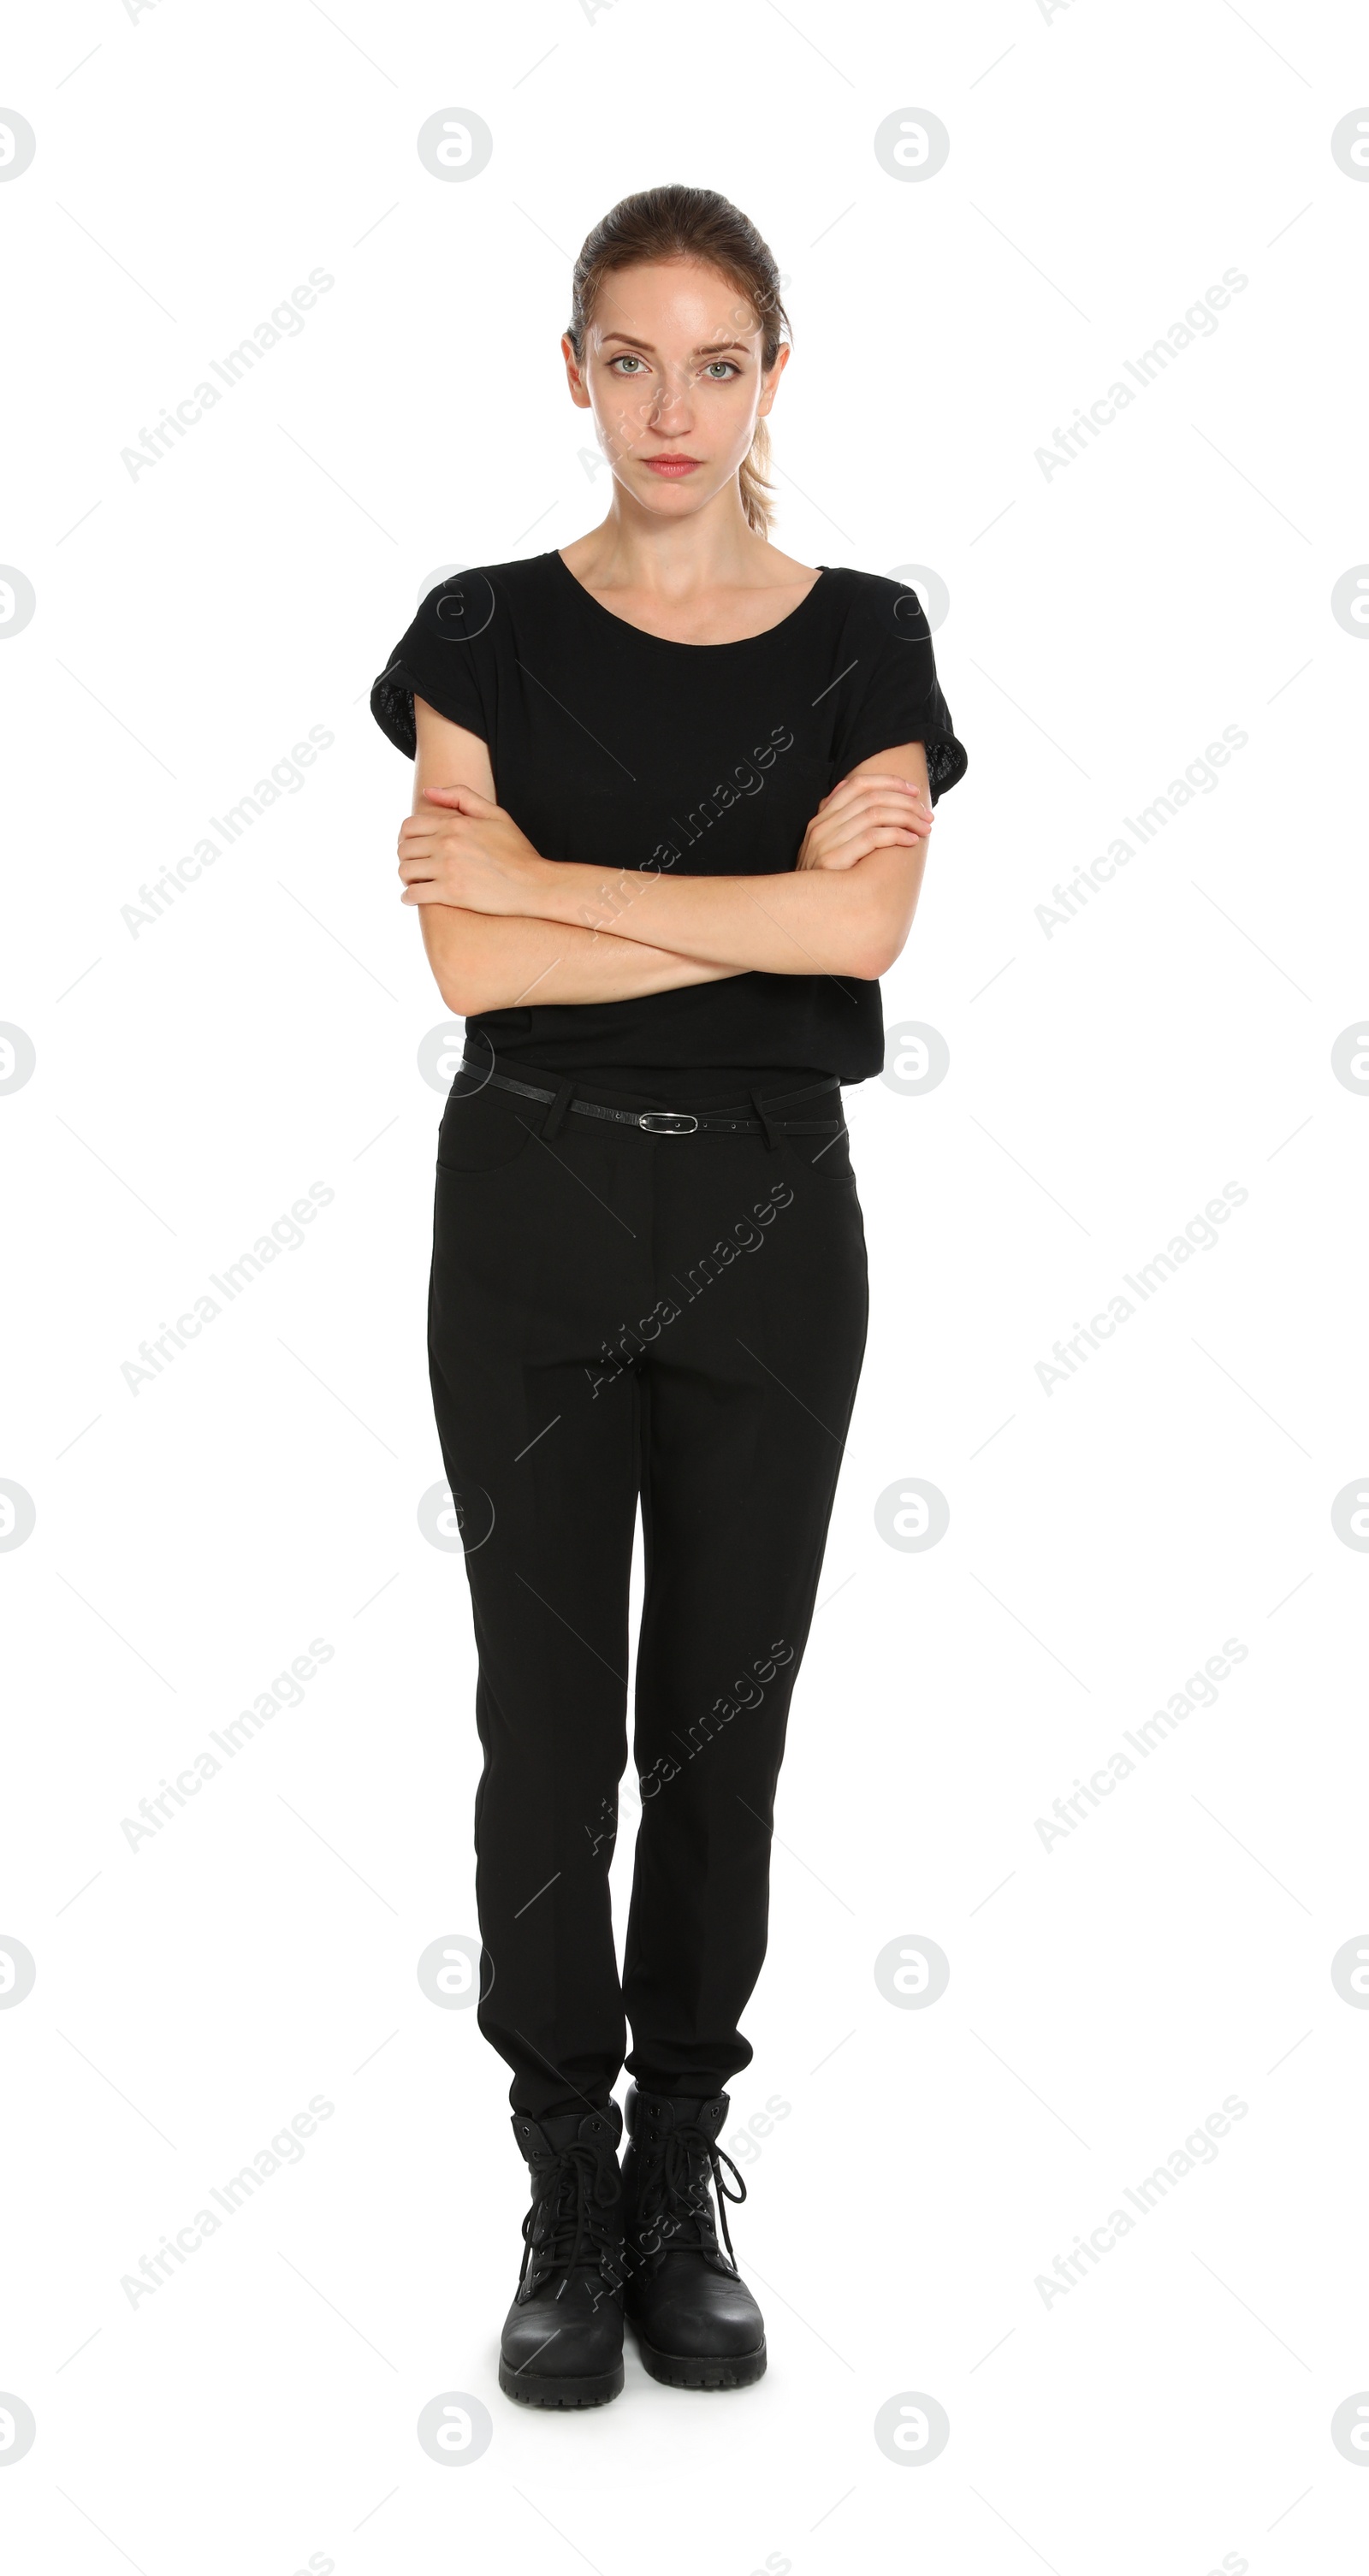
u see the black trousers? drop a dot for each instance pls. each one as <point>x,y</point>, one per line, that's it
<point>614,1314</point>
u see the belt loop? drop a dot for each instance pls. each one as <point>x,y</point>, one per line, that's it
<point>565,1093</point>
<point>772,1138</point>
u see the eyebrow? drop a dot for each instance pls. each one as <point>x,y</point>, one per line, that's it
<point>714,349</point>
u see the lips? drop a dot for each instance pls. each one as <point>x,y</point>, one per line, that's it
<point>672,468</point>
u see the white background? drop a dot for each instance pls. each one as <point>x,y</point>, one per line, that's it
<point>1172,2410</point>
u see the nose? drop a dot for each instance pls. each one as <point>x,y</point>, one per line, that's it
<point>672,413</point>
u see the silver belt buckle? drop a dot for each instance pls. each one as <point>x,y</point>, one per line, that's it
<point>667,1122</point>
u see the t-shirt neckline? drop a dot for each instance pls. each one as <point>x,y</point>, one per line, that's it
<point>673,643</point>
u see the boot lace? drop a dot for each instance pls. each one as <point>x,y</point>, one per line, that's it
<point>673,2207</point>
<point>571,2219</point>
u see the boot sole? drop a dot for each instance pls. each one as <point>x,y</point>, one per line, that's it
<point>702,2370</point>
<point>527,2388</point>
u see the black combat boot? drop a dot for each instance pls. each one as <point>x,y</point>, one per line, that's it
<point>562,2343</point>
<point>696,2323</point>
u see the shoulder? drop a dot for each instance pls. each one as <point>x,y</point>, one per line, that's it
<point>881,645</point>
<point>877,603</point>
<point>470,595</point>
<point>459,644</point>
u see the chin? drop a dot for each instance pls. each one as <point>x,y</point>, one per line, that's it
<point>675,500</point>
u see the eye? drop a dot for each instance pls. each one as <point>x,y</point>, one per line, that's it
<point>727,367</point>
<point>626,360</point>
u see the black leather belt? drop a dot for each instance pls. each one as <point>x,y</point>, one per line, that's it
<point>683,1122</point>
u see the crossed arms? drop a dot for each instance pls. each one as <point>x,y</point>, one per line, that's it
<point>504,926</point>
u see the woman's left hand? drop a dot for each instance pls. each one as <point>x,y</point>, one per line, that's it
<point>867,811</point>
<point>468,852</point>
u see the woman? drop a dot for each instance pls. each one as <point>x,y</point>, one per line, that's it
<point>671,808</point>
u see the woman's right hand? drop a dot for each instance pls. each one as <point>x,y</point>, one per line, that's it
<point>865,814</point>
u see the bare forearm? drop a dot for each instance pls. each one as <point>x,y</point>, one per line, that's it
<point>814,921</point>
<point>494,961</point>
<point>845,908</point>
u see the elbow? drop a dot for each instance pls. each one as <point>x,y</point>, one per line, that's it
<point>877,912</point>
<point>869,930</point>
<point>460,981</point>
<point>880,937</point>
<point>468,993</point>
<point>873,959</point>
<point>459,986</point>
<point>876,947</point>
<point>456,959</point>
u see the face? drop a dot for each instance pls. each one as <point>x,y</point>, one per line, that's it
<point>672,375</point>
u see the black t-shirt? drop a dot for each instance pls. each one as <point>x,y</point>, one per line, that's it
<point>623,750</point>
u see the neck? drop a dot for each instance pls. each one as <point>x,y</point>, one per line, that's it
<point>633,549</point>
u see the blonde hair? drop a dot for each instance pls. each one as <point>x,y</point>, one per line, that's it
<point>691,223</point>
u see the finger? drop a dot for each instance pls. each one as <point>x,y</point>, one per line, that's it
<point>904,791</point>
<point>428,827</point>
<point>883,799</point>
<point>886,837</point>
<point>842,793</point>
<point>461,800</point>
<point>886,791</point>
<point>872,782</point>
<point>838,830</point>
<point>891,792</point>
<point>879,778</point>
<point>847,788</point>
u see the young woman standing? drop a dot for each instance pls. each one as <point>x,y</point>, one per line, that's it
<point>671,808</point>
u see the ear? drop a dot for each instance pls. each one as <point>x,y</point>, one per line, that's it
<point>772,381</point>
<point>579,390</point>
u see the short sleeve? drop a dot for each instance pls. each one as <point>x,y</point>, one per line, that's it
<point>896,696</point>
<point>441,660</point>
